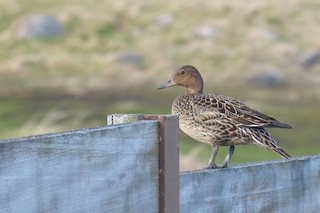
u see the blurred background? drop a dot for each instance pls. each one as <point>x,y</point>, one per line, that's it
<point>67,64</point>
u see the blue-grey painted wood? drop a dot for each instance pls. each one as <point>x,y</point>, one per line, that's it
<point>103,169</point>
<point>276,186</point>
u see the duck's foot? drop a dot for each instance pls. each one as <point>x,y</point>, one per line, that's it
<point>215,166</point>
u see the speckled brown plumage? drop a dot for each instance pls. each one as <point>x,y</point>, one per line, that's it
<point>217,119</point>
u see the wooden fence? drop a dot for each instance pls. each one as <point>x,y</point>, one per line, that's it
<point>134,168</point>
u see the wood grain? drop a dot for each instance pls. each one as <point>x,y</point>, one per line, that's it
<point>103,169</point>
<point>275,186</point>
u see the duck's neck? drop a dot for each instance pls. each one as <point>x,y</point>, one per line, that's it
<point>193,91</point>
<point>196,87</point>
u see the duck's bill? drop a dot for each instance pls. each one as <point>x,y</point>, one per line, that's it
<point>166,84</point>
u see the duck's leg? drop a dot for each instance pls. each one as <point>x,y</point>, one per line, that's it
<point>227,160</point>
<point>211,163</point>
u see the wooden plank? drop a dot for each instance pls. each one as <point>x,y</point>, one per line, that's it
<point>275,186</point>
<point>123,118</point>
<point>168,156</point>
<point>169,163</point>
<point>103,169</point>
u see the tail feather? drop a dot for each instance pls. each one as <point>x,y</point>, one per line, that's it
<point>262,138</point>
<point>281,152</point>
<point>279,125</point>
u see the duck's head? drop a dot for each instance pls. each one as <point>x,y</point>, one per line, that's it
<point>187,76</point>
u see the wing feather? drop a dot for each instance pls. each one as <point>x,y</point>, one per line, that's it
<point>240,113</point>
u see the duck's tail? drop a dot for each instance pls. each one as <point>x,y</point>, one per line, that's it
<point>281,152</point>
<point>262,138</point>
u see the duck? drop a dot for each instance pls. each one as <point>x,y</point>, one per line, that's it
<point>219,120</point>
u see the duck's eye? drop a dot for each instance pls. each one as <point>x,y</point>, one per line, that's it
<point>182,72</point>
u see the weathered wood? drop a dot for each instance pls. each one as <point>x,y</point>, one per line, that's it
<point>123,118</point>
<point>168,156</point>
<point>116,169</point>
<point>169,163</point>
<point>275,186</point>
<point>103,169</point>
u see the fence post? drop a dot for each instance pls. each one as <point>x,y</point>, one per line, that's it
<point>169,186</point>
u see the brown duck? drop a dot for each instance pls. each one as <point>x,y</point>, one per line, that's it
<point>219,120</point>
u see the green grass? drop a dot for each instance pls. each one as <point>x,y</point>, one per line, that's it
<point>75,81</point>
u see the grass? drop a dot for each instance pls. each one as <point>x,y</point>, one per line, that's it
<point>74,81</point>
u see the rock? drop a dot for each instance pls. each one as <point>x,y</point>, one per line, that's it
<point>309,59</point>
<point>39,26</point>
<point>129,58</point>
<point>206,32</point>
<point>165,20</point>
<point>266,79</point>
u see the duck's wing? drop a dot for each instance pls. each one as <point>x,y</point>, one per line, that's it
<point>241,114</point>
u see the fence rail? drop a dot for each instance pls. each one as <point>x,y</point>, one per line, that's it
<point>133,167</point>
<point>274,186</point>
<point>111,168</point>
